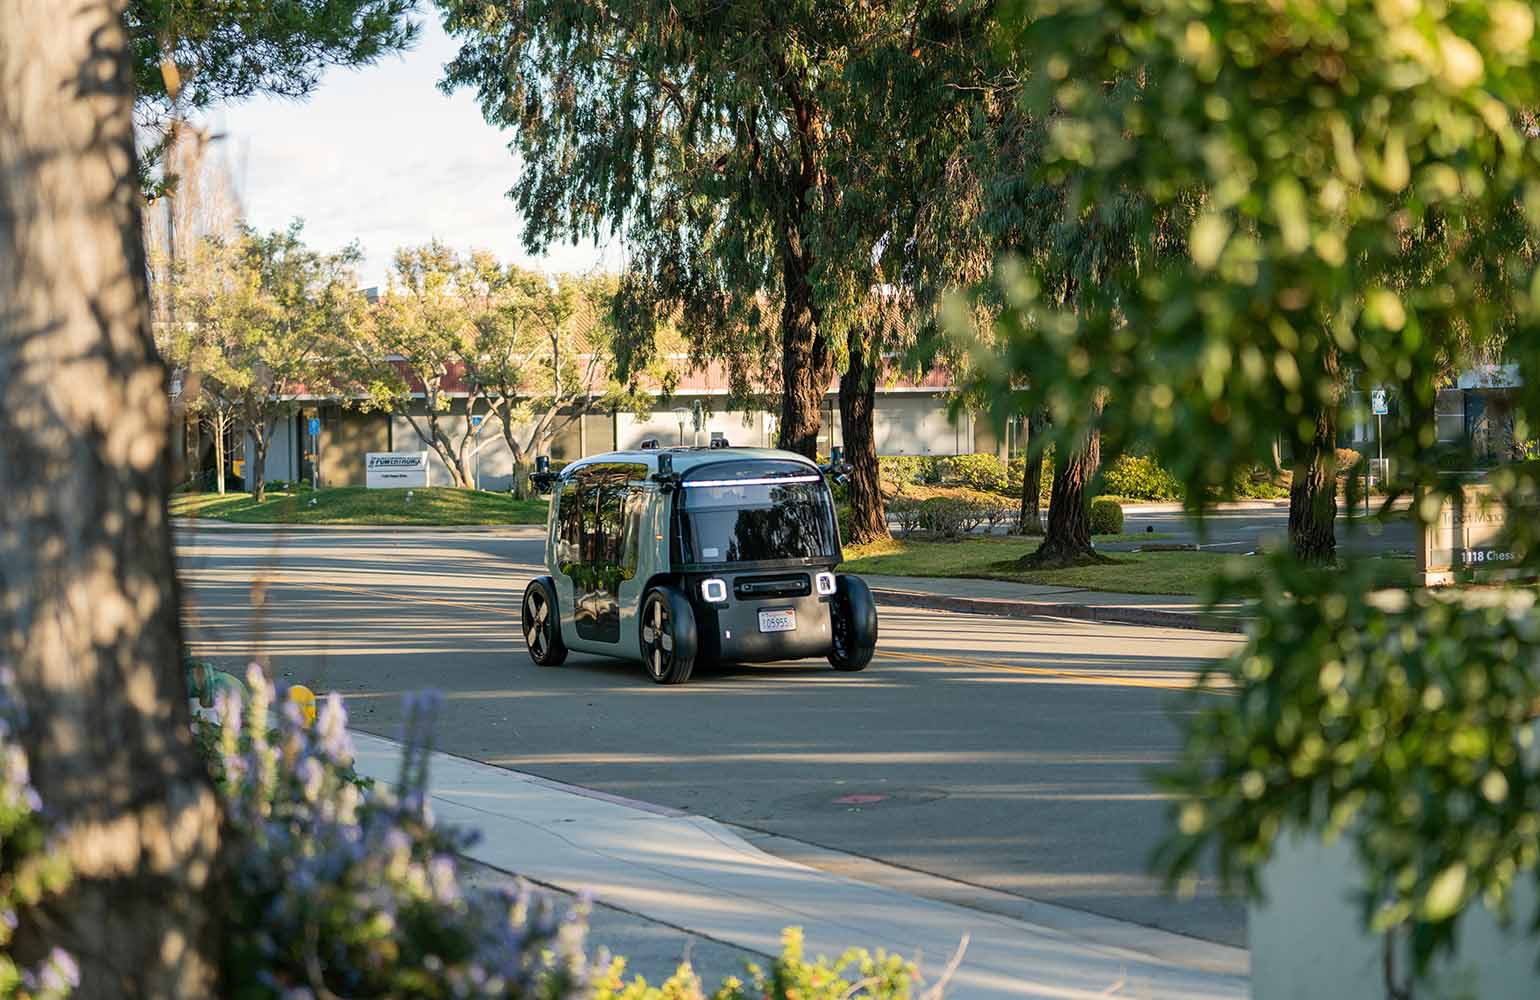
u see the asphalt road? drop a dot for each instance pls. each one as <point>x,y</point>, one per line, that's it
<point>1250,529</point>
<point>1005,754</point>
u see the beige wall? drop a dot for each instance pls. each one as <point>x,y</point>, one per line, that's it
<point>346,437</point>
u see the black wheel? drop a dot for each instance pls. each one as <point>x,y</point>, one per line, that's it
<point>853,624</point>
<point>668,636</point>
<point>542,623</point>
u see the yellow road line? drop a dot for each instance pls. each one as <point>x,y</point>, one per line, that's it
<point>1108,680</point>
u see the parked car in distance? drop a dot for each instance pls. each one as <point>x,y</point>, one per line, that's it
<point>673,557</point>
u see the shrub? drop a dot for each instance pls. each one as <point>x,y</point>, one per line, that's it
<point>30,872</point>
<point>945,517</point>
<point>907,511</point>
<point>1140,478</point>
<point>1257,483</point>
<point>332,890</point>
<point>1106,517</point>
<point>855,975</point>
<point>978,471</point>
<point>904,470</point>
<point>342,887</point>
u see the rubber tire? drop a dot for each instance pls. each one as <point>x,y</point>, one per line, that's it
<point>680,621</point>
<point>853,604</point>
<point>541,588</point>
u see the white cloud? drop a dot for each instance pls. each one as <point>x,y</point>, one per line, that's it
<point>380,155</point>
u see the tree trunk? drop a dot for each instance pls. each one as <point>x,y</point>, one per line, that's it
<point>220,426</point>
<point>261,438</point>
<point>805,363</point>
<point>858,397</point>
<point>1068,538</point>
<point>1313,496</point>
<point>1030,522</point>
<point>88,592</point>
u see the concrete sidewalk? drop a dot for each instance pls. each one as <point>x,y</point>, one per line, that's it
<point>695,874</point>
<point>1029,600</point>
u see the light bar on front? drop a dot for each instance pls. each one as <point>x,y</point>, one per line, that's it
<point>753,482</point>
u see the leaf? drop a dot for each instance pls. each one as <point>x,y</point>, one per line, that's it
<point>1445,894</point>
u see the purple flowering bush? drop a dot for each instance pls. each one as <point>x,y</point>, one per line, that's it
<point>335,886</point>
<point>335,890</point>
<point>29,871</point>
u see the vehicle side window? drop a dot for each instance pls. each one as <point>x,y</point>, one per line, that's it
<point>569,537</point>
<point>635,508</point>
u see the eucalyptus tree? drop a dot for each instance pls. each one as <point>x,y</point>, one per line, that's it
<point>190,55</point>
<point>89,626</point>
<point>702,133</point>
<point>1365,183</point>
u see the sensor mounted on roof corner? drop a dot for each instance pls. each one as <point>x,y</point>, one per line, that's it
<point>651,444</point>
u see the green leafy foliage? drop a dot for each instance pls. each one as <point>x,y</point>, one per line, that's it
<point>855,975</point>
<point>1310,196</point>
<point>224,51</point>
<point>1407,725</point>
<point>977,471</point>
<point>1139,477</point>
<point>263,319</point>
<point>1106,517</point>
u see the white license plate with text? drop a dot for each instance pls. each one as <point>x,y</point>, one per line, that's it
<point>777,621</point>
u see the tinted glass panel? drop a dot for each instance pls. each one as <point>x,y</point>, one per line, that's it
<point>753,523</point>
<point>599,522</point>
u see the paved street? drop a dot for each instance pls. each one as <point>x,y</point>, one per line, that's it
<point>1003,754</point>
<point>1250,527</point>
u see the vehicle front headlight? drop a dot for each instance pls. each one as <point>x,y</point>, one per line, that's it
<point>714,590</point>
<point>824,582</point>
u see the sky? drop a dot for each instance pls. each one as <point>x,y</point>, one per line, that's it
<point>380,155</point>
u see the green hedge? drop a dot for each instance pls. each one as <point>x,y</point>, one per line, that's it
<point>1140,478</point>
<point>1106,517</point>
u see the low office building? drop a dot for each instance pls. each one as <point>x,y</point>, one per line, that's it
<point>326,440</point>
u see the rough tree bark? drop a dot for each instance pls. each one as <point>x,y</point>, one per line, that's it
<point>1030,520</point>
<point>858,397</point>
<point>262,428</point>
<point>806,366</point>
<point>88,594</point>
<point>1313,496</point>
<point>1068,539</point>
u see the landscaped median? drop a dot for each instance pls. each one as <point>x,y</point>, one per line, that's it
<point>995,558</point>
<point>431,506</point>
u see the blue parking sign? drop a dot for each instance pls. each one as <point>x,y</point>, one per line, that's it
<point>315,426</point>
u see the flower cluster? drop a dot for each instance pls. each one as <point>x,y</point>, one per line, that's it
<point>338,887</point>
<point>29,871</point>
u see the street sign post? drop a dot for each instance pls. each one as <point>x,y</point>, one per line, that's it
<point>315,435</point>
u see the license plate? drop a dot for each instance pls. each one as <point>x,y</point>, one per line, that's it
<point>777,621</point>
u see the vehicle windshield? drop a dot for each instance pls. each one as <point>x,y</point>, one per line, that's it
<point>756,522</point>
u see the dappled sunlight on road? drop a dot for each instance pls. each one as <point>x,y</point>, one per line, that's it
<point>1012,754</point>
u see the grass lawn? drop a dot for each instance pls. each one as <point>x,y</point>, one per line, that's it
<point>436,505</point>
<point>1124,572</point>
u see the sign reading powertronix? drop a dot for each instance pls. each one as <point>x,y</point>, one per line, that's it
<point>385,470</point>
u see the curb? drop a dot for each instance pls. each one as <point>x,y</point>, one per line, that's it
<point>219,524</point>
<point>1036,609</point>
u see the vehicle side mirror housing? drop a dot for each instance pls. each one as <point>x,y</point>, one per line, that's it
<point>543,478</point>
<point>837,471</point>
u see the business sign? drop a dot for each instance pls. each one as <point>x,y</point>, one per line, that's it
<point>1467,537</point>
<point>1378,403</point>
<point>388,470</point>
